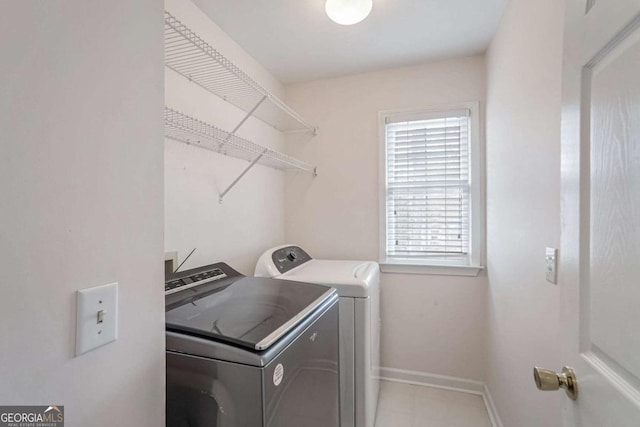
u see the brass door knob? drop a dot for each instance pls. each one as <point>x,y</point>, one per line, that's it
<point>549,380</point>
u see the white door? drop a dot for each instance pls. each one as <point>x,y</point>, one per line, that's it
<point>600,255</point>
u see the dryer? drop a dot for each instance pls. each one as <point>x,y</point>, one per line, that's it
<point>358,286</point>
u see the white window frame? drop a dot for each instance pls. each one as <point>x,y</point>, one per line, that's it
<point>476,203</point>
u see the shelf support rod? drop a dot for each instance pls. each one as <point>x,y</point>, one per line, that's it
<point>246,117</point>
<point>253,163</point>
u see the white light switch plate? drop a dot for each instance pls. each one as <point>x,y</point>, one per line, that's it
<point>97,317</point>
<point>552,265</point>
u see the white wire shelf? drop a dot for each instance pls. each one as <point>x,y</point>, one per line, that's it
<point>190,56</point>
<point>189,130</point>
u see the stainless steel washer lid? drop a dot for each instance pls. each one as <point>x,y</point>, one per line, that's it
<point>252,312</point>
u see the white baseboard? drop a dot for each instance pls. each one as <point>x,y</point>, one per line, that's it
<point>491,408</point>
<point>446,382</point>
<point>432,380</point>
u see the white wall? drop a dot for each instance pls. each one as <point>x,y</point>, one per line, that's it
<point>81,185</point>
<point>523,208</point>
<point>431,324</point>
<point>250,219</point>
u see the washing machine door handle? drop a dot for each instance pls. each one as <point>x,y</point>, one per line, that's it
<point>363,270</point>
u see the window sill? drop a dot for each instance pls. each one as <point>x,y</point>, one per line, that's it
<point>434,269</point>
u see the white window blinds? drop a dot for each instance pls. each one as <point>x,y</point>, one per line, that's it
<point>428,186</point>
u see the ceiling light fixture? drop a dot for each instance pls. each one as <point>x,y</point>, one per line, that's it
<point>348,12</point>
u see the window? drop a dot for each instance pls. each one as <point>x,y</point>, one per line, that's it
<point>431,219</point>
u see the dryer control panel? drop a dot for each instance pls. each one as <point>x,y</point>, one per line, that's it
<point>288,258</point>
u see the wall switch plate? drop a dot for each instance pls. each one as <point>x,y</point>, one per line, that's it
<point>97,317</point>
<point>552,265</point>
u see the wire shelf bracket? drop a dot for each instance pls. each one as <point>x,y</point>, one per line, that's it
<point>235,181</point>
<point>244,119</point>
<point>189,55</point>
<point>189,130</point>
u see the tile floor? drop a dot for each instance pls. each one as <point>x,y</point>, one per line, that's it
<point>406,405</point>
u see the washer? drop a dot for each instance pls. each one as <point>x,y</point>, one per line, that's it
<point>250,352</point>
<point>358,285</point>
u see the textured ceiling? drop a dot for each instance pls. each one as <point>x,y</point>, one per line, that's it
<point>297,42</point>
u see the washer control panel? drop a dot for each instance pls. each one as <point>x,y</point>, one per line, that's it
<point>289,258</point>
<point>197,279</point>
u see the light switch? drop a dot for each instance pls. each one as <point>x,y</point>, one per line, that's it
<point>552,266</point>
<point>97,317</point>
